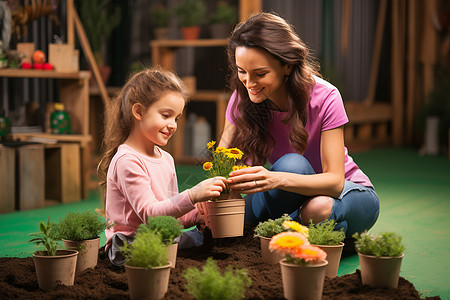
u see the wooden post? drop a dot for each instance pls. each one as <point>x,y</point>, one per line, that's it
<point>346,20</point>
<point>70,29</point>
<point>249,7</point>
<point>428,53</point>
<point>90,56</point>
<point>397,76</point>
<point>411,71</point>
<point>376,52</point>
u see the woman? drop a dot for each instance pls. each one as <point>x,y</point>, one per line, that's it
<point>283,113</point>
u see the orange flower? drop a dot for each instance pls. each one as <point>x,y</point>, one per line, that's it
<point>296,247</point>
<point>207,165</point>
<point>310,253</point>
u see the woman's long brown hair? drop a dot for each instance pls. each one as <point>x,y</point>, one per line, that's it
<point>145,87</point>
<point>273,34</point>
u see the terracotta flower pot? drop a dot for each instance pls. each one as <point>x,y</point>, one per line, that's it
<point>148,283</point>
<point>334,253</point>
<point>190,33</point>
<point>173,250</point>
<point>303,281</point>
<point>269,257</point>
<point>88,249</point>
<point>53,270</point>
<point>380,272</point>
<point>226,216</point>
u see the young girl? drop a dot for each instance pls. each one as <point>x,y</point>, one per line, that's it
<point>139,176</point>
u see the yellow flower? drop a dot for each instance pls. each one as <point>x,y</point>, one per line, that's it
<point>220,149</point>
<point>211,144</point>
<point>234,153</point>
<point>235,168</point>
<point>207,165</point>
<point>295,226</point>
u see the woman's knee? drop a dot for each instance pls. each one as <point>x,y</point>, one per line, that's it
<point>293,163</point>
<point>318,209</point>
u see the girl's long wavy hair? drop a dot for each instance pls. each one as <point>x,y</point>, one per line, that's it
<point>273,34</point>
<point>145,87</point>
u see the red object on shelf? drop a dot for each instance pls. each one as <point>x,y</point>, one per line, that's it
<point>26,65</point>
<point>47,66</point>
<point>37,66</point>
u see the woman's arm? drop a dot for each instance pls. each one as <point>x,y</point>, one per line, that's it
<point>227,135</point>
<point>328,183</point>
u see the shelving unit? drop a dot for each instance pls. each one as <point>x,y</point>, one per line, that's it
<point>74,94</point>
<point>163,54</point>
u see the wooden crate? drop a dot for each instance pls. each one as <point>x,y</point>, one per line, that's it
<point>30,177</point>
<point>63,172</point>
<point>7,179</point>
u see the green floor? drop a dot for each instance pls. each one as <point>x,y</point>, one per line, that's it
<point>414,199</point>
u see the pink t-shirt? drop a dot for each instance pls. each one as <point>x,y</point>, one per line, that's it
<point>325,111</point>
<point>139,186</point>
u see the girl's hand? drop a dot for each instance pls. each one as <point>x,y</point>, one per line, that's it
<point>252,180</point>
<point>207,189</point>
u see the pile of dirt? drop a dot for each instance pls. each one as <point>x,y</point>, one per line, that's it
<point>18,278</point>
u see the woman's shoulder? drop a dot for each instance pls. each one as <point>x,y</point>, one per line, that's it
<point>324,91</point>
<point>322,85</point>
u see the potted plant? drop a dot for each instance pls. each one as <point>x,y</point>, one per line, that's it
<point>329,240</point>
<point>160,17</point>
<point>222,20</point>
<point>99,18</point>
<point>265,231</point>
<point>210,284</point>
<point>191,14</point>
<point>170,230</point>
<point>380,258</point>
<point>147,266</point>
<point>53,266</point>
<point>303,268</point>
<point>225,215</point>
<point>81,231</point>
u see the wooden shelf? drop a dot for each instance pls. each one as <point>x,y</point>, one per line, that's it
<point>189,43</point>
<point>36,136</point>
<point>24,73</point>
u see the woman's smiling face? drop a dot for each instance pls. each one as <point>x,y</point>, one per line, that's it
<point>262,75</point>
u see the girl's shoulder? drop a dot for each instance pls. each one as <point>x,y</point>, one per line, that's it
<point>125,152</point>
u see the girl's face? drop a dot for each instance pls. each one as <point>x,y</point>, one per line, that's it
<point>159,122</point>
<point>262,75</point>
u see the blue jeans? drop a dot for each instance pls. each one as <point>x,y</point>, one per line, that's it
<point>355,210</point>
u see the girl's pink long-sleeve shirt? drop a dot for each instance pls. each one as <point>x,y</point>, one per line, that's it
<point>139,186</point>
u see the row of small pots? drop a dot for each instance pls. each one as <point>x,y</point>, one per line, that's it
<point>306,281</point>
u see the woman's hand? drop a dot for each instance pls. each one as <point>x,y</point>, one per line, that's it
<point>252,180</point>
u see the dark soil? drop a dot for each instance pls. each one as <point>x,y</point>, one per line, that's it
<point>18,278</point>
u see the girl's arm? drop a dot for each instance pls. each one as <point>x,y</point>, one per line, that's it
<point>328,183</point>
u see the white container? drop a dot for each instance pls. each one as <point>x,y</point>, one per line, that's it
<point>201,135</point>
